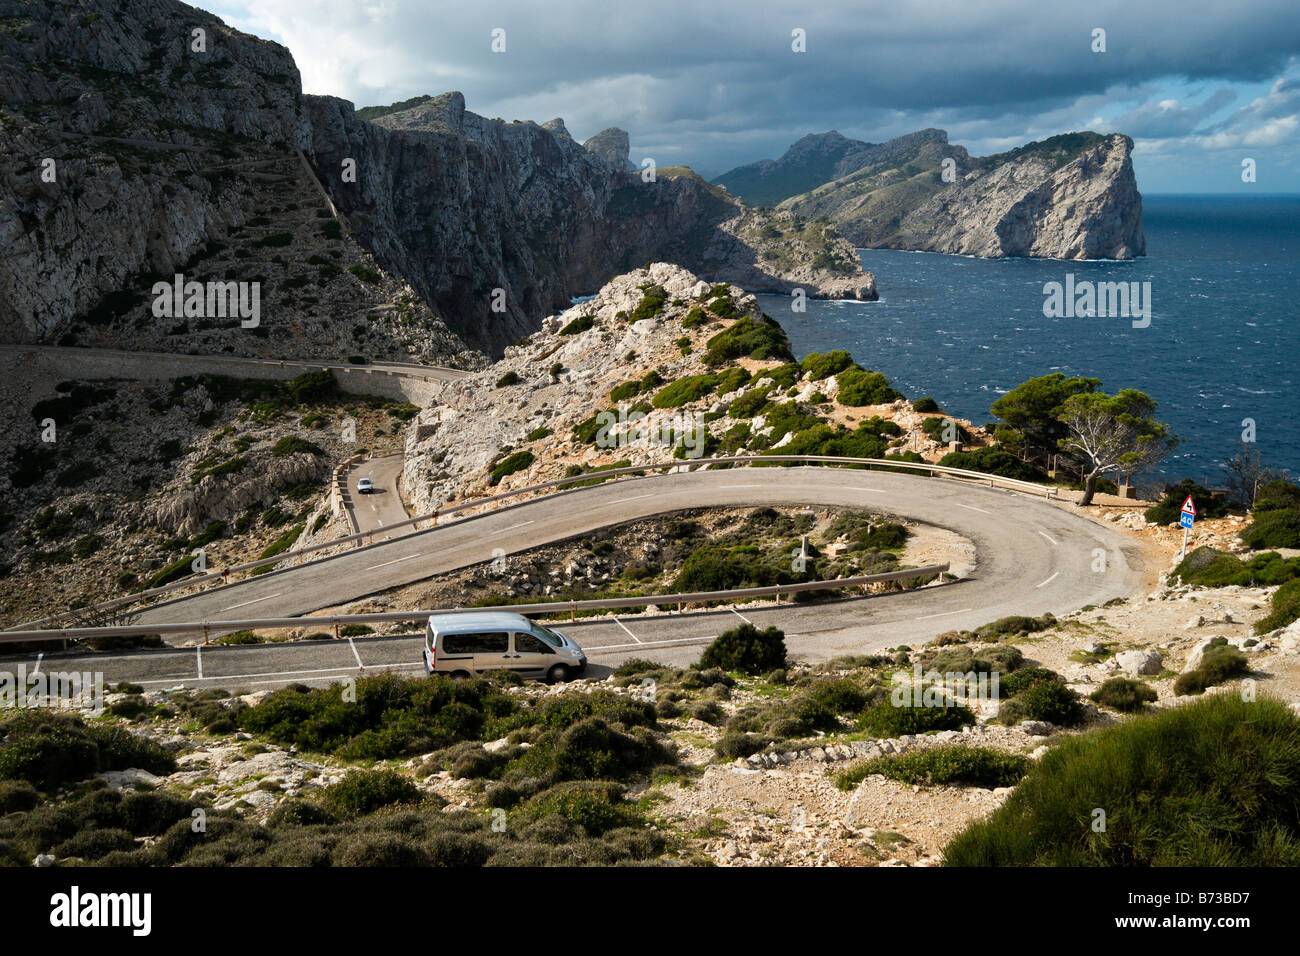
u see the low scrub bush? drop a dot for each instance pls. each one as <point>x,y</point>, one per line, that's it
<point>961,766</point>
<point>746,649</point>
<point>365,791</point>
<point>1214,783</point>
<point>887,719</point>
<point>1220,662</point>
<point>1124,694</point>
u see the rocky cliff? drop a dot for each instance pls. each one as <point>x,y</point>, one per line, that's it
<point>133,147</point>
<point>1072,196</point>
<point>465,206</point>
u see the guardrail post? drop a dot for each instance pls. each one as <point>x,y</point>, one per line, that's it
<point>207,636</point>
<point>573,612</point>
<point>337,636</point>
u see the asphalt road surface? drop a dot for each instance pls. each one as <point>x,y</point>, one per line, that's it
<point>383,506</point>
<point>1031,557</point>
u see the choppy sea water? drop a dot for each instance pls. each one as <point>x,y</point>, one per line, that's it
<point>1223,343</point>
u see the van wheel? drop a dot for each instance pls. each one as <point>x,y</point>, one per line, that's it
<point>558,674</point>
<point>460,675</point>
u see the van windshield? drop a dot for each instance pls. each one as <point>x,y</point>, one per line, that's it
<point>550,637</point>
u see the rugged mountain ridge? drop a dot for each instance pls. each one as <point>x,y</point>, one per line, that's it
<point>162,144</point>
<point>551,218</point>
<point>1072,196</point>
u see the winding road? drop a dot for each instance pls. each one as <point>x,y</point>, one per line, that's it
<point>1032,556</point>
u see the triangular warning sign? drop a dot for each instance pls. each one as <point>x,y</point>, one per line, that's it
<point>1188,507</point>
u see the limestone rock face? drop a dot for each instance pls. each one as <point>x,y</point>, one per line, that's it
<point>162,153</point>
<point>462,206</point>
<point>613,146</point>
<point>130,116</point>
<point>1069,197</point>
<point>1089,208</point>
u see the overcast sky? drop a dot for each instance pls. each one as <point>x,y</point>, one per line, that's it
<point>715,83</point>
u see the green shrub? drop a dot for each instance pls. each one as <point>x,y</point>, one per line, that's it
<point>537,434</point>
<point>746,649</point>
<point>510,378</point>
<point>748,337</point>
<point>49,750</point>
<point>1278,528</point>
<point>1124,694</point>
<point>685,390</point>
<point>940,766</point>
<point>734,744</point>
<point>1045,699</point>
<point>887,719</point>
<point>651,304</point>
<point>511,464</point>
<point>926,404</point>
<point>861,387</point>
<point>1206,567</point>
<point>994,460</point>
<point>17,796</point>
<point>818,366</point>
<point>1015,625</point>
<point>355,630</point>
<point>1285,608</point>
<point>293,445</point>
<point>1208,505</point>
<point>581,324</point>
<point>749,404</point>
<point>621,393</point>
<point>1215,783</point>
<point>365,791</point>
<point>241,637</point>
<point>1001,658</point>
<point>590,750</point>
<point>694,318</point>
<point>783,376</point>
<point>1219,663</point>
<point>597,807</point>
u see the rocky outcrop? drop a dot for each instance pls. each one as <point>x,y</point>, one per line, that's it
<point>1088,208</point>
<point>1072,196</point>
<point>116,142</point>
<point>613,146</point>
<point>501,223</point>
<point>162,156</point>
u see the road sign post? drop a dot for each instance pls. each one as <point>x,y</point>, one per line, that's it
<point>1186,517</point>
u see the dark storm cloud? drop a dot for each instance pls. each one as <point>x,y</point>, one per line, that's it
<point>717,83</point>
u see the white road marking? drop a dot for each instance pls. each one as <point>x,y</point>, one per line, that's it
<point>512,528</point>
<point>619,501</point>
<point>741,616</point>
<point>254,601</point>
<point>360,665</point>
<point>394,561</point>
<point>927,617</point>
<point>624,627</point>
<point>198,656</point>
<point>742,486</point>
<point>1048,581</point>
<point>875,491</point>
<point>1048,536</point>
<point>971,508</point>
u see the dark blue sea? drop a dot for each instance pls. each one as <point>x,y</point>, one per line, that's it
<point>1223,342</point>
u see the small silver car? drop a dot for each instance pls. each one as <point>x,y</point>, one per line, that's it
<point>478,642</point>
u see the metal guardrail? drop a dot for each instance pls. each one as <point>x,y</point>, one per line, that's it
<point>367,536</point>
<point>206,628</point>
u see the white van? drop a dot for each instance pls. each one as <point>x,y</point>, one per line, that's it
<point>478,642</point>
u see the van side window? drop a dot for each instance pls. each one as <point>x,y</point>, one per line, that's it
<point>492,642</point>
<point>527,644</point>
